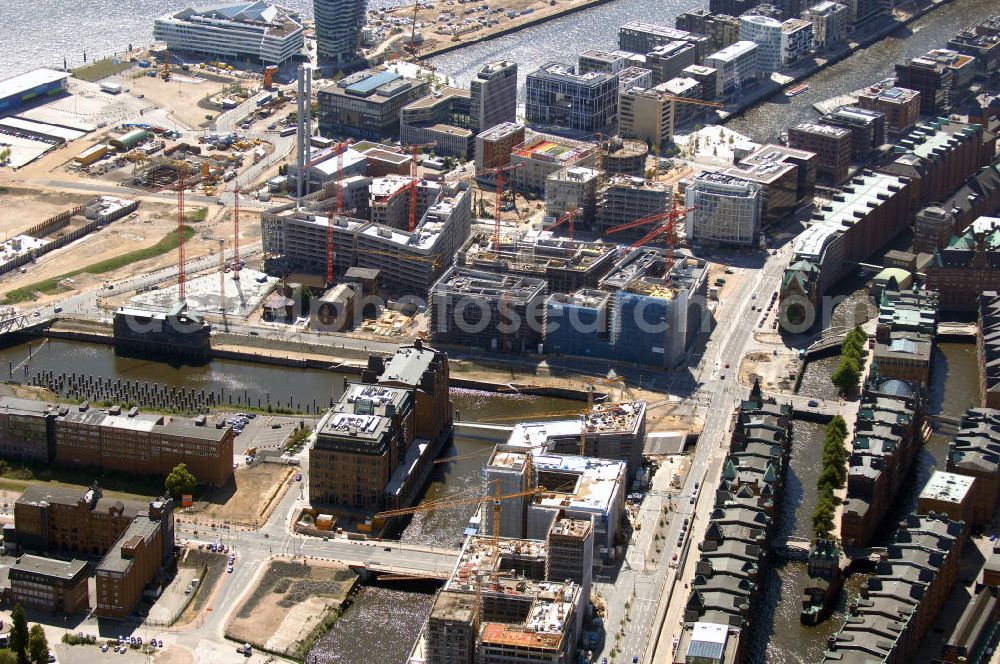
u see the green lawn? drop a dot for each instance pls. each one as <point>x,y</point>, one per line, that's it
<point>52,285</point>
<point>95,71</point>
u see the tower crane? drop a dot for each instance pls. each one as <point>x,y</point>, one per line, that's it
<point>498,173</point>
<point>675,213</point>
<point>592,384</point>
<point>339,149</point>
<point>414,178</point>
<point>182,171</point>
<point>568,217</point>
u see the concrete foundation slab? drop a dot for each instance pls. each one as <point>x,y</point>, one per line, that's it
<point>202,293</point>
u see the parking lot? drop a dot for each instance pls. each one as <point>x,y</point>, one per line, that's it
<point>265,432</point>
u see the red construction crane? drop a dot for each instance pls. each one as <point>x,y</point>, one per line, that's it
<point>339,149</point>
<point>180,234</point>
<point>412,226</point>
<point>236,231</point>
<point>498,174</point>
<point>671,216</point>
<point>568,217</point>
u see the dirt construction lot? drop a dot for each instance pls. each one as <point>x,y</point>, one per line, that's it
<point>290,602</point>
<point>249,499</point>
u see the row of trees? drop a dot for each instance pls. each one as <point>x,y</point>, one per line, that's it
<point>847,375</point>
<point>831,477</point>
<point>26,646</point>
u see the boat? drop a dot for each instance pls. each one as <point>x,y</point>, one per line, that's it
<point>796,90</point>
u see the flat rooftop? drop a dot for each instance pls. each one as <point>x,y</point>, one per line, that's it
<point>51,567</point>
<point>22,83</point>
<point>947,487</point>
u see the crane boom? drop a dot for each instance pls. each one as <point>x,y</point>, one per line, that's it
<point>461,502</point>
<point>568,217</point>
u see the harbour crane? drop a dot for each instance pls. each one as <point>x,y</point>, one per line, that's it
<point>566,218</point>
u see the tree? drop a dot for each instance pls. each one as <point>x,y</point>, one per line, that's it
<point>19,634</point>
<point>847,375</point>
<point>38,645</point>
<point>180,481</point>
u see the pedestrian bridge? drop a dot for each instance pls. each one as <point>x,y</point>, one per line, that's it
<point>12,322</point>
<point>791,548</point>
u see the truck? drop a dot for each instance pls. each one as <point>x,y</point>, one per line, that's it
<point>111,88</point>
<point>265,100</point>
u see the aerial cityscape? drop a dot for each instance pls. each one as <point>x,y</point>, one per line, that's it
<point>564,332</point>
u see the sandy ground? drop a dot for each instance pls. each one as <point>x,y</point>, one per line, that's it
<point>776,372</point>
<point>248,502</point>
<point>23,208</point>
<point>180,95</point>
<point>289,602</point>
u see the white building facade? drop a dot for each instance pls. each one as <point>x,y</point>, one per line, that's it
<point>727,210</point>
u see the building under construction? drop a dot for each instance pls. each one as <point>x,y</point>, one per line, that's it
<point>623,199</point>
<point>564,265</point>
<point>488,311</point>
<point>295,237</point>
<point>512,600</point>
<point>541,155</point>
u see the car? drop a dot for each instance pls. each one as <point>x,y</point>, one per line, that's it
<point>813,403</point>
<point>727,365</point>
<point>229,570</point>
<point>635,659</point>
<point>57,310</point>
<point>104,647</point>
<point>675,557</point>
<point>722,377</point>
<point>691,501</point>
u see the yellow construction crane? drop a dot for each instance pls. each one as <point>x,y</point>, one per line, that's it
<point>489,450</point>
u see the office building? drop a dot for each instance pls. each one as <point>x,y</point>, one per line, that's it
<point>343,167</point>
<point>727,210</point>
<point>682,87</point>
<point>982,42</point>
<point>869,212</point>
<point>625,199</point>
<point>973,453</point>
<point>573,188</point>
<point>948,494</point>
<point>832,146</point>
<point>493,96</point>
<point>541,155</point>
<point>887,435</point>
<point>868,128</point>
<point>670,59</point>
<point>137,559</point>
<point>494,146</point>
<point>932,79</point>
<point>605,322</point>
<point>556,96</point>
<point>367,104</point>
<point>638,37</point>
<point>254,31</point>
<point>787,178</point>
<point>900,602</point>
<point>737,66</point>
<point>988,347</point>
<point>647,115</point>
<point>796,40</point>
<point>766,33</point>
<point>721,29</point>
<point>726,594</point>
<point>49,585</point>
<point>338,30</point>
<point>147,444</point>
<point>900,106</point>
<point>442,118</point>
<point>476,309</point>
<point>968,266</point>
<point>829,20</point>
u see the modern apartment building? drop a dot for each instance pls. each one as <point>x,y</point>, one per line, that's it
<point>868,128</point>
<point>638,37</point>
<point>934,81</point>
<point>541,155</point>
<point>900,106</point>
<point>495,145</point>
<point>766,33</point>
<point>981,41</point>
<point>832,146</point>
<point>796,40</point>
<point>625,199</point>
<point>670,59</point>
<point>593,60</point>
<point>367,104</point>
<point>557,96</point>
<point>634,77</point>
<point>722,29</point>
<point>737,66</point>
<point>829,20</point>
<point>443,118</point>
<point>254,31</point>
<point>647,115</point>
<point>708,78</point>
<point>860,12</point>
<point>683,87</point>
<point>493,96</point>
<point>338,30</point>
<point>727,210</point>
<point>573,188</point>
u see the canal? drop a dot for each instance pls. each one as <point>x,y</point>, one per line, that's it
<point>765,121</point>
